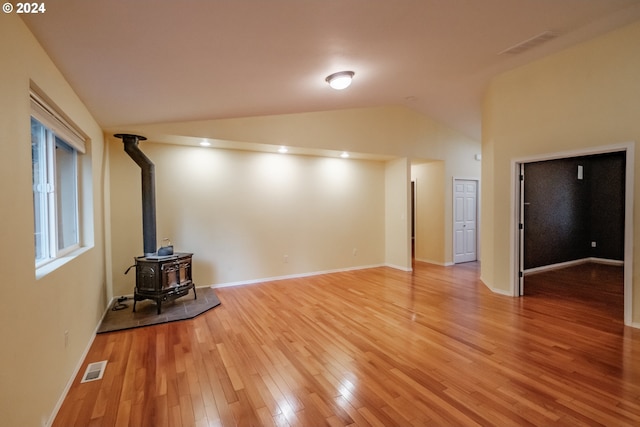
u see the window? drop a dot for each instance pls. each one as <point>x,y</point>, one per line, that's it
<point>55,148</point>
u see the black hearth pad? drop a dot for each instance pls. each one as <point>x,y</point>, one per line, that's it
<point>183,308</point>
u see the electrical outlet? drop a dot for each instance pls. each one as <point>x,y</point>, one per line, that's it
<point>593,244</point>
<point>66,338</point>
<point>286,259</point>
<point>355,251</point>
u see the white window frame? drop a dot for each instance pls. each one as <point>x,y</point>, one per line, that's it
<point>56,131</point>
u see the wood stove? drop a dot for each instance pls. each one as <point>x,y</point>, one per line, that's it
<point>163,278</point>
<point>159,276</point>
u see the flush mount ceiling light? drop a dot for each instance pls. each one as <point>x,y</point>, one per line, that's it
<point>340,80</point>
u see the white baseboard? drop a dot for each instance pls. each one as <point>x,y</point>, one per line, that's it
<point>496,290</point>
<point>500,291</point>
<point>606,261</point>
<point>430,261</point>
<point>292,276</point>
<point>572,263</point>
<point>398,267</point>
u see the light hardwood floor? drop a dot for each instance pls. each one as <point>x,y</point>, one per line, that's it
<point>378,347</point>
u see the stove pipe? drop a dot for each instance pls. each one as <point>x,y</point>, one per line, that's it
<point>148,190</point>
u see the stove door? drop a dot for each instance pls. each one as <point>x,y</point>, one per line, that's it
<point>147,278</point>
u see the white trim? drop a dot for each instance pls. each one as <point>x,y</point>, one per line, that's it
<point>495,290</point>
<point>440,263</point>
<point>46,113</point>
<point>514,221</point>
<point>605,261</point>
<point>627,147</point>
<point>297,276</point>
<point>500,291</point>
<point>628,234</point>
<point>56,263</point>
<point>399,267</point>
<point>604,149</point>
<point>566,264</point>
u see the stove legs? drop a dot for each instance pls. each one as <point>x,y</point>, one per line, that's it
<point>164,297</point>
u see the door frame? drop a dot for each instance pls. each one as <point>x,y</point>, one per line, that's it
<point>414,195</point>
<point>517,200</point>
<point>453,216</point>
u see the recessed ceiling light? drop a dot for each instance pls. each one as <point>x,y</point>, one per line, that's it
<point>344,155</point>
<point>205,144</point>
<point>340,80</point>
<point>283,149</point>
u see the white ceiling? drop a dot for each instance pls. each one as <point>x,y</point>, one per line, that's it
<point>151,61</point>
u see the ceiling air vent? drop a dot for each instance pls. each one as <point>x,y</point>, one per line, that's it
<point>529,43</point>
<point>94,371</point>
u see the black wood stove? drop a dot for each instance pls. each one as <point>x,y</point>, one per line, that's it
<point>160,276</point>
<point>163,278</point>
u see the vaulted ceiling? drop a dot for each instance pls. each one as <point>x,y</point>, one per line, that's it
<point>152,61</point>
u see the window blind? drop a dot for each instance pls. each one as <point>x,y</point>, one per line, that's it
<point>42,111</point>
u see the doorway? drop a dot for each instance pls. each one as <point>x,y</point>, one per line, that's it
<point>569,229</point>
<point>465,214</point>
<point>413,221</point>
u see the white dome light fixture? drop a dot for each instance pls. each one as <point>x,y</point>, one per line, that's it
<point>340,80</point>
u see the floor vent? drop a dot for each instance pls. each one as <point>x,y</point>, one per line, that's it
<point>530,43</point>
<point>94,371</point>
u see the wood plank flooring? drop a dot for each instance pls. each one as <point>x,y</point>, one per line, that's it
<point>377,347</point>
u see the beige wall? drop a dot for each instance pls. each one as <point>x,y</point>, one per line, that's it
<point>388,130</point>
<point>397,214</point>
<point>35,364</point>
<point>585,97</point>
<point>242,212</point>
<point>459,163</point>
<point>384,131</point>
<point>244,231</point>
<point>430,230</point>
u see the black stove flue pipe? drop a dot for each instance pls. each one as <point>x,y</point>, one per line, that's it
<point>148,190</point>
